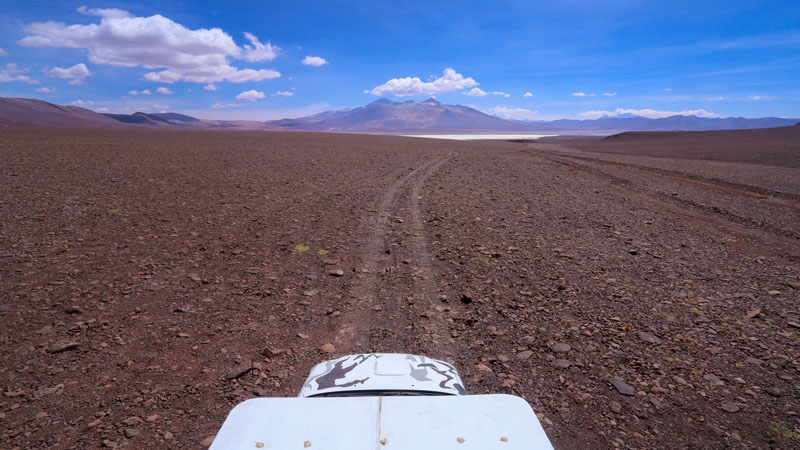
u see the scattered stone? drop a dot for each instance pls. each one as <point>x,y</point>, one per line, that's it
<point>616,407</point>
<point>730,407</point>
<point>562,363</point>
<point>483,367</point>
<point>561,348</point>
<point>502,358</point>
<point>655,402</point>
<point>649,337</point>
<point>794,324</point>
<point>680,380</point>
<point>41,415</point>
<point>336,272</point>
<point>310,292</point>
<point>207,441</point>
<point>273,353</point>
<point>466,298</point>
<point>63,346</point>
<point>184,308</point>
<point>302,336</point>
<point>713,379</point>
<point>753,313</point>
<point>327,348</point>
<point>773,391</point>
<point>240,370</point>
<point>73,310</point>
<point>623,387</point>
<point>131,432</point>
<point>167,435</point>
<point>774,292</point>
<point>524,355</point>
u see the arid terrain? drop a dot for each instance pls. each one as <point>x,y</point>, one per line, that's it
<point>151,280</point>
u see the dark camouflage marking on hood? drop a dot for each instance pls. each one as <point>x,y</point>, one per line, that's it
<point>383,372</point>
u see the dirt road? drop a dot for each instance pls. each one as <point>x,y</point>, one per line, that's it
<point>152,281</point>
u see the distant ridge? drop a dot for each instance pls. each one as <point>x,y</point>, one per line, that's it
<point>381,116</point>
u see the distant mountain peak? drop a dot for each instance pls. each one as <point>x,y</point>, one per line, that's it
<point>431,101</point>
<point>383,101</point>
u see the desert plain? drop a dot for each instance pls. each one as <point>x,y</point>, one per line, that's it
<point>639,291</point>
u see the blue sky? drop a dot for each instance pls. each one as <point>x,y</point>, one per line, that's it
<point>529,60</point>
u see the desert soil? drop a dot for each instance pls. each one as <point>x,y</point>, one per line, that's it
<point>150,281</point>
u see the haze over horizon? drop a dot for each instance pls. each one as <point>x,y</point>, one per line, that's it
<point>254,61</point>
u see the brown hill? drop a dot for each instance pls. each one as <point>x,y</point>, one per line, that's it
<point>32,112</point>
<point>772,146</point>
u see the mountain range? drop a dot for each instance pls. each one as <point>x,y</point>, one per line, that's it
<point>380,116</point>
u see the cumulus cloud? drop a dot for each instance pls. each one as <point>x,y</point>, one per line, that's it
<point>251,95</point>
<point>527,94</point>
<point>132,92</point>
<point>402,87</point>
<point>225,105</point>
<point>155,42</point>
<point>163,90</point>
<point>609,94</point>
<point>282,94</point>
<point>3,52</point>
<point>649,113</point>
<point>210,87</point>
<point>582,94</point>
<point>258,51</point>
<point>12,72</point>
<point>146,92</point>
<point>315,61</point>
<point>112,13</point>
<point>46,90</point>
<point>755,97</point>
<point>75,74</point>
<point>501,93</point>
<point>515,113</point>
<point>476,92</point>
<point>81,103</point>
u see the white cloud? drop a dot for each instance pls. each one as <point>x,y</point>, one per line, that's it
<point>146,92</point>
<point>500,93</point>
<point>755,97</point>
<point>210,87</point>
<point>581,94</point>
<point>258,51</point>
<point>515,113</point>
<point>716,99</point>
<point>99,12</point>
<point>476,92</point>
<point>133,93</point>
<point>315,61</point>
<point>225,105</point>
<point>81,102</point>
<point>668,89</point>
<point>103,109</point>
<point>155,42</point>
<point>649,113</point>
<point>251,95</point>
<point>282,94</point>
<point>11,72</point>
<point>609,94</point>
<point>528,94</point>
<point>75,74</point>
<point>3,52</point>
<point>46,90</point>
<point>402,87</point>
<point>163,90</point>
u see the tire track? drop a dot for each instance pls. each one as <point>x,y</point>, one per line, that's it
<point>358,322</point>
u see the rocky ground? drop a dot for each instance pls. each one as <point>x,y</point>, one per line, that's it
<point>149,282</point>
